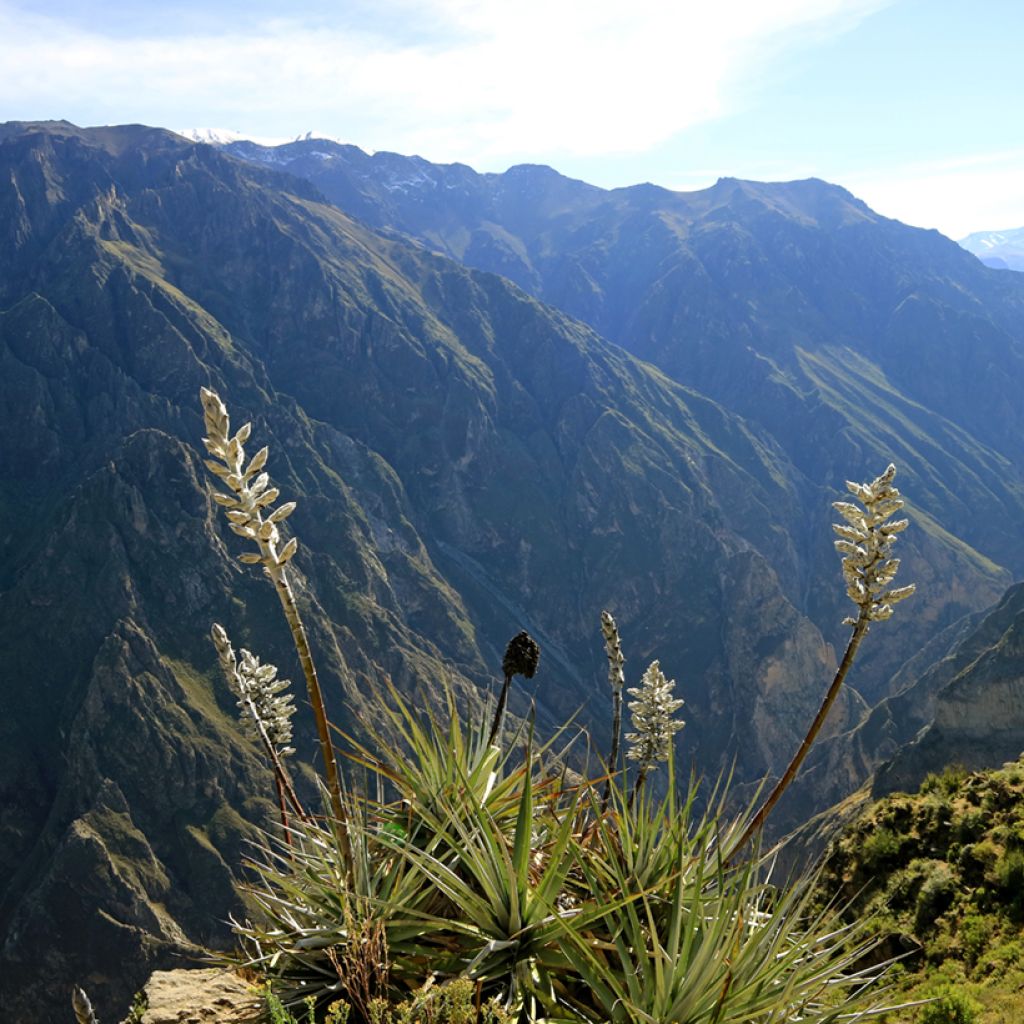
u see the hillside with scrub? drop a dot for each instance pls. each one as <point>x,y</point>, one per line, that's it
<point>939,874</point>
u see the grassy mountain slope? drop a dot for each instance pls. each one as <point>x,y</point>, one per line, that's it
<point>847,337</point>
<point>942,871</point>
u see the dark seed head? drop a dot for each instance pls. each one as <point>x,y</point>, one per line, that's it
<point>521,656</point>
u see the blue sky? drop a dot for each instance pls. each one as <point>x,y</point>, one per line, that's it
<point>914,105</point>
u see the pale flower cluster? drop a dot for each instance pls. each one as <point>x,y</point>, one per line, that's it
<point>266,709</point>
<point>866,541</point>
<point>613,647</point>
<point>652,712</point>
<point>252,496</point>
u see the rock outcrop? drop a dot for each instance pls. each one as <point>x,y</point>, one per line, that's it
<point>978,719</point>
<point>201,996</point>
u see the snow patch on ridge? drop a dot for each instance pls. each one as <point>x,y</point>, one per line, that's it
<point>225,136</point>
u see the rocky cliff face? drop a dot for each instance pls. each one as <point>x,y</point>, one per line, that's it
<point>978,716</point>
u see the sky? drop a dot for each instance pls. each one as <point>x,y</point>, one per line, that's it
<point>914,105</point>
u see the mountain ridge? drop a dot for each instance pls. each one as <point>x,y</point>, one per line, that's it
<point>1001,250</point>
<point>827,326</point>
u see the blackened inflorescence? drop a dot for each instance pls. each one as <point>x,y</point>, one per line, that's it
<point>521,656</point>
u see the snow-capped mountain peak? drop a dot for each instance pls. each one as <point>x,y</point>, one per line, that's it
<point>225,136</point>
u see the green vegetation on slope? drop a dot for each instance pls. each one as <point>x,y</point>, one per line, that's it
<point>942,874</point>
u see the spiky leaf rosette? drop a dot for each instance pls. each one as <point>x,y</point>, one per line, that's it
<point>866,539</point>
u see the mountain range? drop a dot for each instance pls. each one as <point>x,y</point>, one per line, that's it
<point>1001,250</point>
<point>502,402</point>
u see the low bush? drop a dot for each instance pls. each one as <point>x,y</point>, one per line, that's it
<point>951,1006</point>
<point>935,896</point>
<point>946,782</point>
<point>974,933</point>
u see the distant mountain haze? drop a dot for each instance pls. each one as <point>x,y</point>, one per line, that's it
<point>1001,250</point>
<point>501,402</point>
<point>850,338</point>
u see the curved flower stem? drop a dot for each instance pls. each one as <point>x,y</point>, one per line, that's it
<point>859,630</point>
<point>301,641</point>
<point>499,715</point>
<point>613,757</point>
<point>285,787</point>
<point>252,497</point>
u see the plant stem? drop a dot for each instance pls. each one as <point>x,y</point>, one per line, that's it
<point>641,777</point>
<point>283,808</point>
<point>859,629</point>
<point>499,715</point>
<point>291,613</point>
<point>613,757</point>
<point>281,776</point>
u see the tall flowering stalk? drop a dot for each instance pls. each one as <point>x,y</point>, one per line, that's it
<point>866,539</point>
<point>653,720</point>
<point>266,710</point>
<point>616,680</point>
<point>521,658</point>
<point>251,514</point>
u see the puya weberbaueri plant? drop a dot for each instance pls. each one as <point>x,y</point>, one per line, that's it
<point>488,869</point>
<point>866,538</point>
<point>250,506</point>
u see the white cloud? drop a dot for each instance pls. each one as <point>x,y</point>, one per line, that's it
<point>486,82</point>
<point>976,192</point>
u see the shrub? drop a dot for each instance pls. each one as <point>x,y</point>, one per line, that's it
<point>997,959</point>
<point>881,847</point>
<point>945,783</point>
<point>935,896</point>
<point>1008,878</point>
<point>1008,872</point>
<point>971,824</point>
<point>903,887</point>
<point>952,1006</point>
<point>977,861</point>
<point>999,796</point>
<point>974,933</point>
